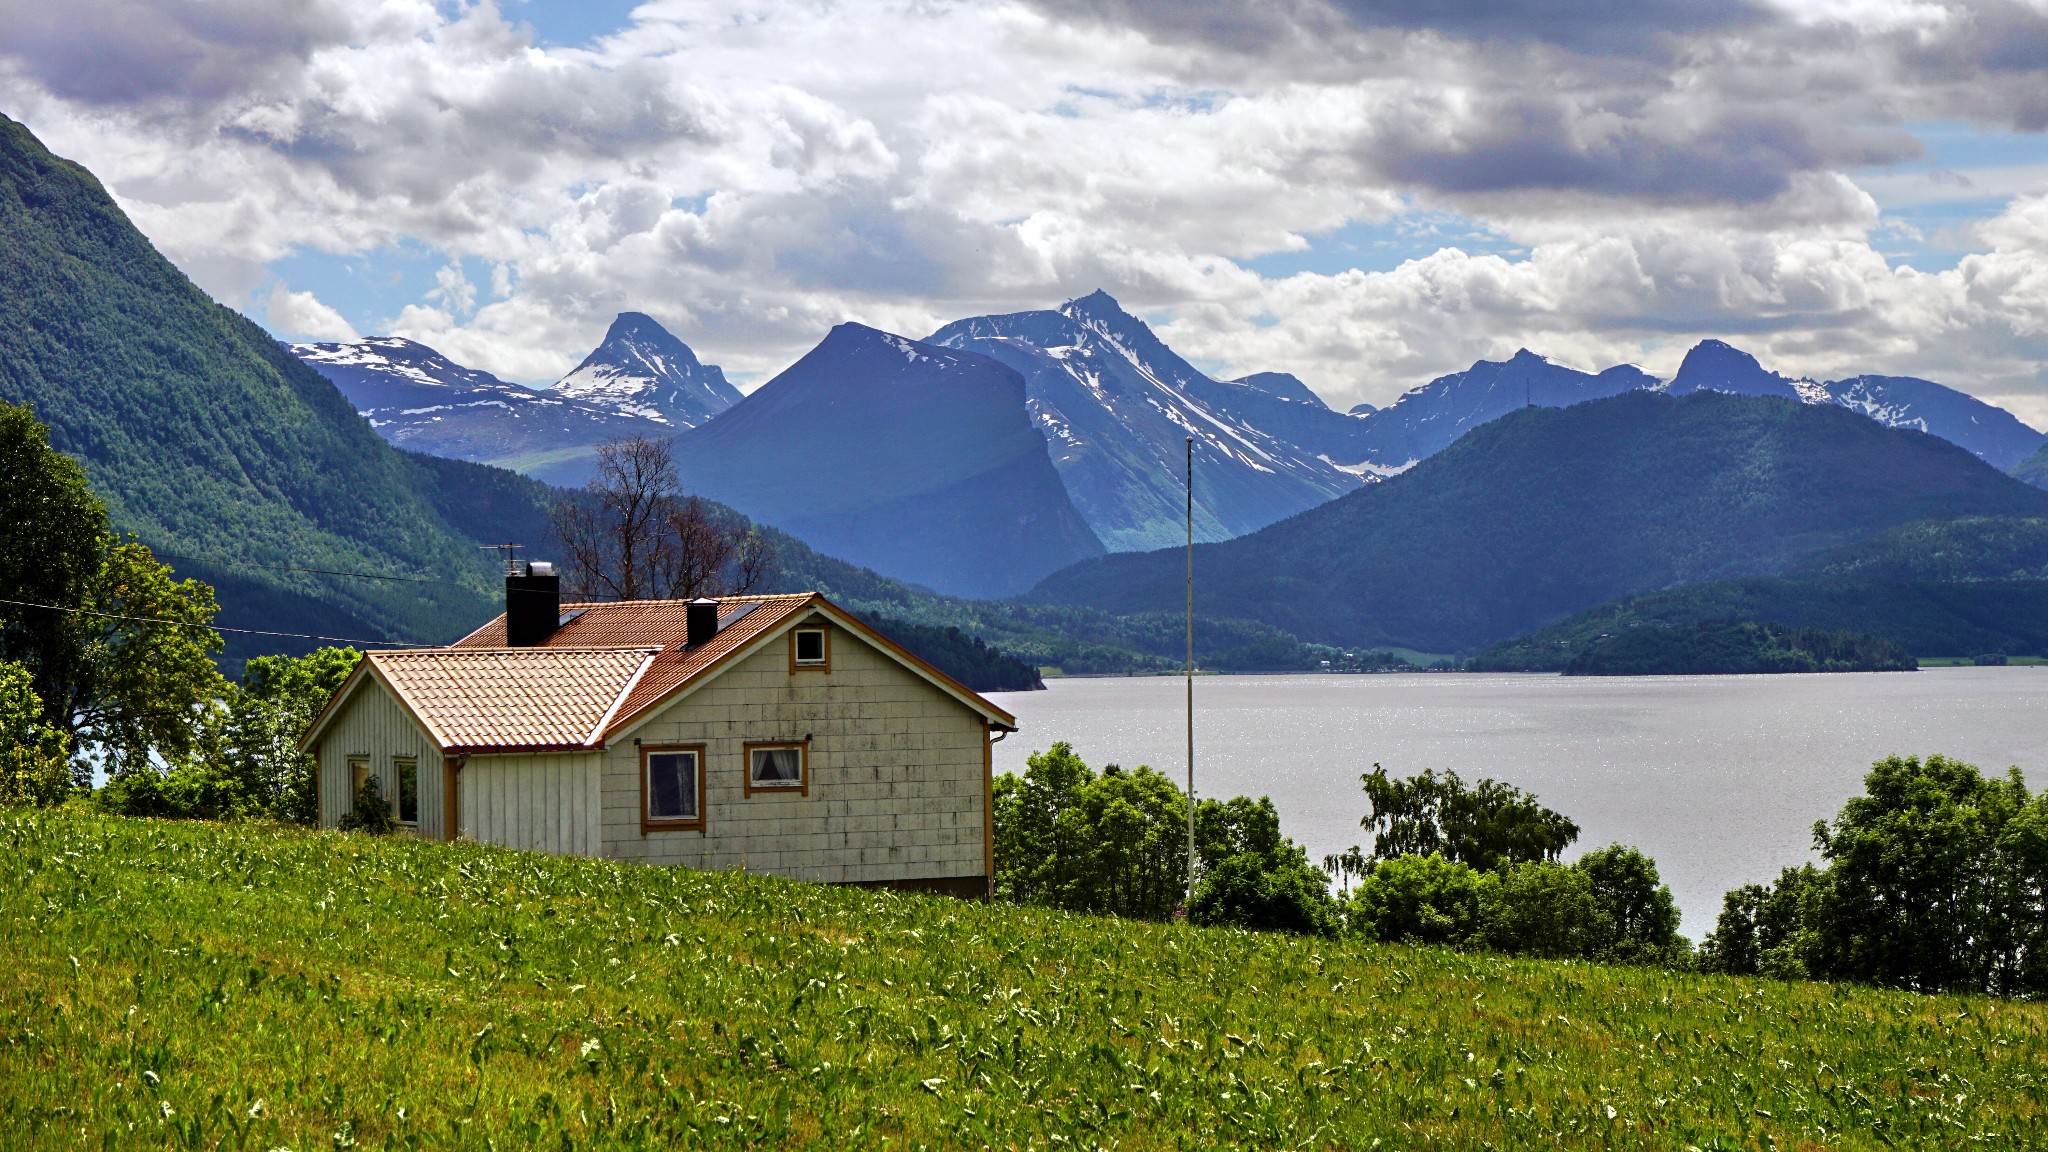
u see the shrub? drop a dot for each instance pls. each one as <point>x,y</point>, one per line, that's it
<point>1638,919</point>
<point>1540,908</point>
<point>1420,900</point>
<point>1287,894</point>
<point>371,813</point>
<point>35,757</point>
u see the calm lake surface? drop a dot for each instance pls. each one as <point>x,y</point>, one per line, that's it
<point>1720,778</point>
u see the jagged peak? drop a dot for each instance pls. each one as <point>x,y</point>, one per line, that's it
<point>1097,302</point>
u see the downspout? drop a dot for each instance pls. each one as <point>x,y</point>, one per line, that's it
<point>995,735</point>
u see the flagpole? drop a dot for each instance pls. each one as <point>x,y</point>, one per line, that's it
<point>1191,674</point>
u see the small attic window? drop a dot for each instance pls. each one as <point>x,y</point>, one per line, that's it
<point>810,648</point>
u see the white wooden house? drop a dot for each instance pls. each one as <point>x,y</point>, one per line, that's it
<point>771,733</point>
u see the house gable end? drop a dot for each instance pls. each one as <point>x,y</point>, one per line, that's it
<point>778,635</point>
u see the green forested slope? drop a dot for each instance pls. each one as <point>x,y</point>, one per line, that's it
<point>205,437</point>
<point>1731,648</point>
<point>1937,588</point>
<point>1546,512</point>
<point>1926,618</point>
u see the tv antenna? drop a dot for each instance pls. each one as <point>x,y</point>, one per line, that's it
<point>511,553</point>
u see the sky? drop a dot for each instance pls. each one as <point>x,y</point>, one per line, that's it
<point>1366,193</point>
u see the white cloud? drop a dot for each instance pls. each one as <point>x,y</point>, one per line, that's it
<point>301,316</point>
<point>752,172</point>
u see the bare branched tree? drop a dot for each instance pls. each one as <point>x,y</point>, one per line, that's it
<point>631,534</point>
<point>701,548</point>
<point>753,556</point>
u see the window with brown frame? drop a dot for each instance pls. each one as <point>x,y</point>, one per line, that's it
<point>407,770</point>
<point>810,649</point>
<point>358,775</point>
<point>671,787</point>
<point>780,766</point>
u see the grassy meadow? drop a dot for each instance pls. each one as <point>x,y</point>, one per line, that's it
<point>184,985</point>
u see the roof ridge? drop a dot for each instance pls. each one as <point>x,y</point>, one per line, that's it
<point>761,596</point>
<point>534,648</point>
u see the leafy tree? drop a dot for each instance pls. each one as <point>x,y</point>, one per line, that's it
<point>1540,908</point>
<point>1283,894</point>
<point>1486,825</point>
<point>1136,826</point>
<point>262,721</point>
<point>34,755</point>
<point>1922,890</point>
<point>1239,826</point>
<point>1762,930</point>
<point>1253,877</point>
<point>51,533</point>
<point>1116,843</point>
<point>1420,900</point>
<point>1935,879</point>
<point>1637,919</point>
<point>1041,859</point>
<point>142,676</point>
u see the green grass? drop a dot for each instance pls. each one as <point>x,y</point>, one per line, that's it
<point>190,986</point>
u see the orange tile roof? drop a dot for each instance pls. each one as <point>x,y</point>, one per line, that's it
<point>598,672</point>
<point>513,698</point>
<point>657,622</point>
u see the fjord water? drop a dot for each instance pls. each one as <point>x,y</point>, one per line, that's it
<point>1720,778</point>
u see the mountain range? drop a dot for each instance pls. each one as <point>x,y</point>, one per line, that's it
<point>641,381</point>
<point>1548,511</point>
<point>930,459</point>
<point>1115,406</point>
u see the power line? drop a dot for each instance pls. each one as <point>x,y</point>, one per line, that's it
<point>209,627</point>
<point>317,571</point>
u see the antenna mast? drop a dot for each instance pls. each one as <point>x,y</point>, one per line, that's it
<point>1191,675</point>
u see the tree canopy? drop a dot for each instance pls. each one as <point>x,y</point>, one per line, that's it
<point>1484,825</point>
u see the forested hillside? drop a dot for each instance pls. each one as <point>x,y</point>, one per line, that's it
<point>1546,512</point>
<point>211,442</point>
<point>1937,588</point>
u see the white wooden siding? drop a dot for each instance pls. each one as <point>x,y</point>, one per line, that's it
<point>543,802</point>
<point>373,726</point>
<point>896,785</point>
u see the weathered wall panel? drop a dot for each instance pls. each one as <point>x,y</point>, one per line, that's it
<point>897,773</point>
<point>543,802</point>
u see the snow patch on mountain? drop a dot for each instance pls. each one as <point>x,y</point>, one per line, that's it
<point>641,370</point>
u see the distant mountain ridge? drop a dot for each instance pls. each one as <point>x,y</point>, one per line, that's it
<point>1548,511</point>
<point>918,461</point>
<point>641,369</point>
<point>419,399</point>
<point>1429,418</point>
<point>1116,405</point>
